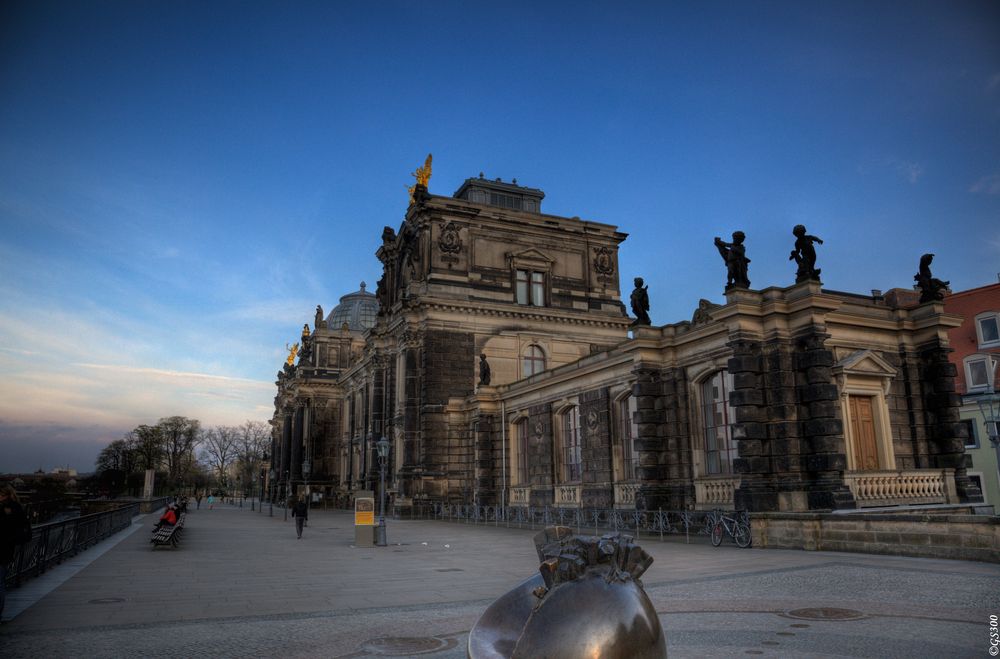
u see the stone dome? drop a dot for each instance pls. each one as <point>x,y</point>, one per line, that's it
<point>357,309</point>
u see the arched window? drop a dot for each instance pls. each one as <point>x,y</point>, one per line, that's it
<point>717,419</point>
<point>571,450</point>
<point>533,361</point>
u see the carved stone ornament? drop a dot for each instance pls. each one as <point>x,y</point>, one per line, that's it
<point>585,601</point>
<point>539,429</point>
<point>592,420</point>
<point>603,262</point>
<point>450,241</point>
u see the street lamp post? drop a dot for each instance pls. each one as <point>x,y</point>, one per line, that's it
<point>270,487</point>
<point>287,474</point>
<point>306,470</point>
<point>382,446</point>
<point>989,407</point>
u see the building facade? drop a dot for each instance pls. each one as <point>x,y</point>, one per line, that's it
<point>502,367</point>
<point>976,355</point>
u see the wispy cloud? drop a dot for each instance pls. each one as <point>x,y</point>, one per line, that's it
<point>175,374</point>
<point>908,170</point>
<point>987,185</point>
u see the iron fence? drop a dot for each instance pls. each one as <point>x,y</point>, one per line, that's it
<point>52,543</point>
<point>652,523</point>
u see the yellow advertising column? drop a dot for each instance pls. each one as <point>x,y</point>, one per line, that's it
<point>364,518</point>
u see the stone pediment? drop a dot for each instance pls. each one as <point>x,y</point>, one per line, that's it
<point>531,255</point>
<point>865,362</point>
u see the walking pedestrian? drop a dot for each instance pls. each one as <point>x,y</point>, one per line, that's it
<point>13,529</point>
<point>300,511</point>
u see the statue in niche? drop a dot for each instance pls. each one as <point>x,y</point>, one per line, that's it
<point>804,255</point>
<point>319,316</point>
<point>640,303</point>
<point>931,289</point>
<point>735,256</point>
<point>484,370</point>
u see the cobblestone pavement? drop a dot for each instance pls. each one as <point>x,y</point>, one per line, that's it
<point>241,585</point>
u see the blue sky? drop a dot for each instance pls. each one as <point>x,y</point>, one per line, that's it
<point>181,183</point>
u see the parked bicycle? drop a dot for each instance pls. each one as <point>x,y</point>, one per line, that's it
<point>738,528</point>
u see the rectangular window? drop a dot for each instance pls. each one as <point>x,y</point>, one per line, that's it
<point>530,288</point>
<point>537,289</point>
<point>522,287</point>
<point>522,453</point>
<point>978,374</point>
<point>718,418</point>
<point>572,450</point>
<point>972,441</point>
<point>627,435</point>
<point>989,333</point>
<point>977,480</point>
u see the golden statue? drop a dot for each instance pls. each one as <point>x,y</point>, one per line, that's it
<point>305,331</point>
<point>292,351</point>
<point>423,175</point>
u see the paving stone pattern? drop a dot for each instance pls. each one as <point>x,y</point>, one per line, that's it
<point>241,585</point>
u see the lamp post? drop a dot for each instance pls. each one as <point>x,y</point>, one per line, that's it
<point>306,470</point>
<point>989,407</point>
<point>382,446</point>
<point>287,474</point>
<point>270,488</point>
<point>239,488</point>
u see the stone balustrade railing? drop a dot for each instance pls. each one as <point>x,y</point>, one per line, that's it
<point>715,491</point>
<point>520,496</point>
<point>879,488</point>
<point>568,495</point>
<point>625,494</point>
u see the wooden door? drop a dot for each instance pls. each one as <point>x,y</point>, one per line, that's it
<point>863,442</point>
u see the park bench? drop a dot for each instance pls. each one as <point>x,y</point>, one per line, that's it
<point>168,535</point>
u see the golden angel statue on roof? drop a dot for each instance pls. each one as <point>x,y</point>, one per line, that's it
<point>423,175</point>
<point>292,351</point>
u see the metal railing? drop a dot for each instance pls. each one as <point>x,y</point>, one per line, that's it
<point>652,523</point>
<point>52,543</point>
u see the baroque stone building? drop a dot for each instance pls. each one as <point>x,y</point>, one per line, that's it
<point>794,398</point>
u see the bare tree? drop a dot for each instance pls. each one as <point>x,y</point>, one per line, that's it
<point>254,438</point>
<point>147,442</point>
<point>220,449</point>
<point>119,455</point>
<point>180,438</point>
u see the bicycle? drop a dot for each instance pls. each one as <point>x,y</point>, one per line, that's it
<point>737,527</point>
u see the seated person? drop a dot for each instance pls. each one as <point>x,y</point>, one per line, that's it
<point>169,517</point>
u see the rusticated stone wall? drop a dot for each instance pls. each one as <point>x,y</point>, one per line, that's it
<point>541,458</point>
<point>595,430</point>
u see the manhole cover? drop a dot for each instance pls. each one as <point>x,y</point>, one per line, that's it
<point>107,600</point>
<point>404,646</point>
<point>826,613</point>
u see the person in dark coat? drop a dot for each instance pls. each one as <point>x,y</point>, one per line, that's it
<point>300,511</point>
<point>12,521</point>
